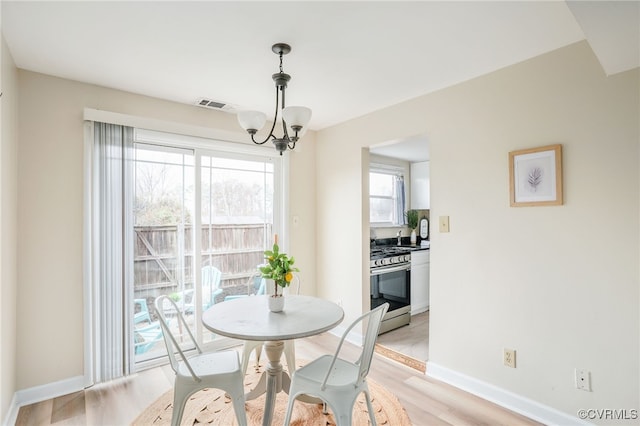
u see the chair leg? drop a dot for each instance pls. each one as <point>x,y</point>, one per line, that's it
<point>287,417</point>
<point>343,410</point>
<point>237,398</point>
<point>372,416</point>
<point>248,347</point>
<point>180,397</point>
<point>344,418</point>
<point>258,353</point>
<point>290,355</point>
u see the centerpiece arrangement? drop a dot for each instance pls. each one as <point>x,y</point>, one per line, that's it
<point>280,269</point>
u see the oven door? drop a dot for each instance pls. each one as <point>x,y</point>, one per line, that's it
<point>391,284</point>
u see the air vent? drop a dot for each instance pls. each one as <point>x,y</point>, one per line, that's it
<point>211,104</point>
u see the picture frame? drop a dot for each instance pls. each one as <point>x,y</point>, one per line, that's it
<point>535,176</point>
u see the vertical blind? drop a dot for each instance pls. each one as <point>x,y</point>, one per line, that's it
<point>112,248</point>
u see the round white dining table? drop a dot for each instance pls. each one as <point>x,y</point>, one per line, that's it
<point>249,318</point>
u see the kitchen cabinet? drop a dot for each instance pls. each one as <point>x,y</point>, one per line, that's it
<point>420,197</point>
<point>419,281</point>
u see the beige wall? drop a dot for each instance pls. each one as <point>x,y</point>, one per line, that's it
<point>558,284</point>
<point>8,226</point>
<point>50,185</point>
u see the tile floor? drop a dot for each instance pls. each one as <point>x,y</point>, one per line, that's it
<point>411,340</point>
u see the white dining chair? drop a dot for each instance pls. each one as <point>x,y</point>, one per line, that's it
<point>336,381</point>
<point>257,345</point>
<point>220,370</point>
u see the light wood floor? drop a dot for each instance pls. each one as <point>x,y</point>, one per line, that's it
<point>427,401</point>
<point>412,339</point>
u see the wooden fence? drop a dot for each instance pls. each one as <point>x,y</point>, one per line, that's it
<point>163,256</point>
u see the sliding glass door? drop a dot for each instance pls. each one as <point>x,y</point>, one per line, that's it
<point>236,217</point>
<point>202,220</point>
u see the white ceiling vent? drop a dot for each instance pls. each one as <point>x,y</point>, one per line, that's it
<point>211,104</point>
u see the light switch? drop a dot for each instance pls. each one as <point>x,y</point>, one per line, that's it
<point>444,223</point>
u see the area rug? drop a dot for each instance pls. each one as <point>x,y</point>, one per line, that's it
<point>212,407</point>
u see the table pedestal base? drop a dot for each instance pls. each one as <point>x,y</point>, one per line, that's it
<point>275,380</point>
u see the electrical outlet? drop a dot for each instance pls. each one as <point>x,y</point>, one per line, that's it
<point>509,358</point>
<point>583,380</point>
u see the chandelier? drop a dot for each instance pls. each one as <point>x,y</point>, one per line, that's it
<point>294,118</point>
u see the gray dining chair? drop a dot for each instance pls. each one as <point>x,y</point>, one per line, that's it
<point>219,370</point>
<point>337,381</point>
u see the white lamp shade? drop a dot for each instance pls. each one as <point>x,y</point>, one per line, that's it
<point>251,119</point>
<point>296,116</point>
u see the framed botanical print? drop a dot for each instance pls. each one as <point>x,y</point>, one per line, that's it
<point>535,176</point>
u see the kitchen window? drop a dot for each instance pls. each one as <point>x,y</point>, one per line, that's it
<point>386,198</point>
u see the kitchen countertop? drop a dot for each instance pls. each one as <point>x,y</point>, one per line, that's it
<point>393,242</point>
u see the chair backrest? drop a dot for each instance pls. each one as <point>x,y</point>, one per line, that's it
<point>211,277</point>
<point>374,319</point>
<point>256,284</point>
<point>161,303</point>
<point>295,284</point>
<point>262,287</point>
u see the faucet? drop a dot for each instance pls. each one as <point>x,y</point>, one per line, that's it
<point>400,237</point>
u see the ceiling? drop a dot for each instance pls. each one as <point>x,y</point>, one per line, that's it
<point>348,58</point>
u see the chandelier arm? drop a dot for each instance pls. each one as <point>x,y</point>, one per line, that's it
<point>284,124</point>
<point>275,116</point>
<point>258,143</point>
<point>275,120</point>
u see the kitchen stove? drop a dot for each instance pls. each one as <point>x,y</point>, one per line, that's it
<point>382,256</point>
<point>390,271</point>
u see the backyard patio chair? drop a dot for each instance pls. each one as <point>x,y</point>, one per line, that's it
<point>146,337</point>
<point>141,311</point>
<point>220,370</point>
<point>211,278</point>
<point>336,381</point>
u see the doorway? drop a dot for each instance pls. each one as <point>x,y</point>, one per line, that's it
<point>408,344</point>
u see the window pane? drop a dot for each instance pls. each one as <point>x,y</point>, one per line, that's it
<point>381,184</point>
<point>237,222</point>
<point>163,253</point>
<point>381,210</point>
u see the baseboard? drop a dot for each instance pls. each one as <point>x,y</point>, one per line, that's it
<point>12,415</point>
<point>42,393</point>
<point>514,402</point>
